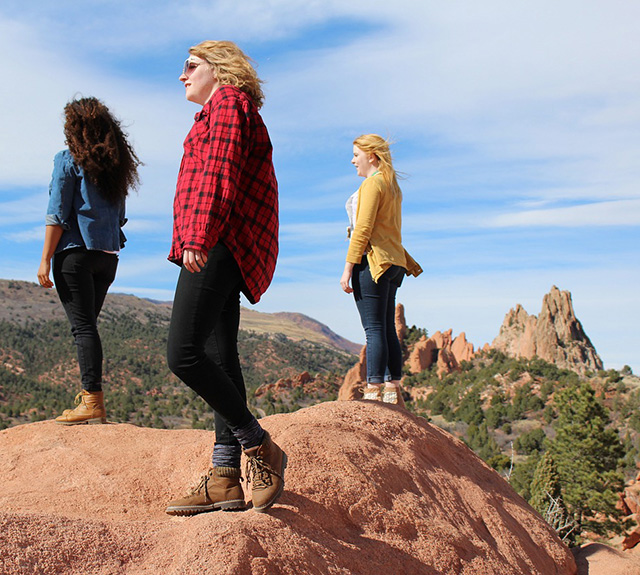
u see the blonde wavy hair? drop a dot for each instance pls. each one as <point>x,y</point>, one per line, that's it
<point>232,67</point>
<point>380,148</point>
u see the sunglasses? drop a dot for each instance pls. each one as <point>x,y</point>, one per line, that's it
<point>190,66</point>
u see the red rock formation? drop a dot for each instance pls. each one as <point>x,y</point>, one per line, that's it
<point>423,354</point>
<point>629,504</point>
<point>303,380</point>
<point>400,322</point>
<point>462,349</point>
<point>353,381</point>
<point>442,349</point>
<point>599,559</point>
<point>632,539</point>
<point>555,335</point>
<point>370,489</point>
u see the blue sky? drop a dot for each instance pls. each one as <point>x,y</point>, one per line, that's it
<point>515,123</point>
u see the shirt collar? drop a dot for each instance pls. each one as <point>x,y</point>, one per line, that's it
<point>204,112</point>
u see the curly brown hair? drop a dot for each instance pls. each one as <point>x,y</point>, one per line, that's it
<point>100,147</point>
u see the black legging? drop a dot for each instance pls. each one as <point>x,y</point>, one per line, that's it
<point>82,278</point>
<point>203,340</point>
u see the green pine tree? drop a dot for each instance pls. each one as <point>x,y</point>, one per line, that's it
<point>547,499</point>
<point>588,454</point>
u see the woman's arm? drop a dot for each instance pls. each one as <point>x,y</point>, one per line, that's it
<point>345,280</point>
<point>52,236</point>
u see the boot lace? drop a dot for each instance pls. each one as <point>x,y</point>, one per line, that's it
<point>260,473</point>
<point>76,401</point>
<point>204,481</point>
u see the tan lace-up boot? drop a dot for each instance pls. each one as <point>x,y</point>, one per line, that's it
<point>372,392</point>
<point>90,409</point>
<point>265,471</point>
<point>219,489</point>
<point>392,393</point>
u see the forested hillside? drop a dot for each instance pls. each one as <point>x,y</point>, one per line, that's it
<point>39,375</point>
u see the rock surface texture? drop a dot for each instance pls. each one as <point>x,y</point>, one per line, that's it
<point>555,335</point>
<point>369,489</point>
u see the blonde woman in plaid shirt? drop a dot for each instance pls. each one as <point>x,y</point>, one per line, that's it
<point>225,239</point>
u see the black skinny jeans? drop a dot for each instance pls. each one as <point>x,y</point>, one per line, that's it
<point>82,278</point>
<point>203,340</point>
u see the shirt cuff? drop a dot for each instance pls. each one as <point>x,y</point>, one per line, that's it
<point>53,220</point>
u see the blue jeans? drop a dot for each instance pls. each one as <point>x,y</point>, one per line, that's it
<point>203,340</point>
<point>82,278</point>
<point>376,304</point>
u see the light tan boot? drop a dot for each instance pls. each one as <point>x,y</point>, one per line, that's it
<point>372,392</point>
<point>265,470</point>
<point>392,393</point>
<point>219,489</point>
<point>90,409</point>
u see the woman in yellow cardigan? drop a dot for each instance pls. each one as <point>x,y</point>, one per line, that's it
<point>376,263</point>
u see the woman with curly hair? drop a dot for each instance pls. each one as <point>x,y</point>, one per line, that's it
<point>225,240</point>
<point>91,180</point>
<point>376,263</point>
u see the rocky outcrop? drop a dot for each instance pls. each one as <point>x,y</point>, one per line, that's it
<point>629,505</point>
<point>600,559</point>
<point>369,489</point>
<point>400,323</point>
<point>555,335</point>
<point>352,385</point>
<point>442,350</point>
<point>302,381</point>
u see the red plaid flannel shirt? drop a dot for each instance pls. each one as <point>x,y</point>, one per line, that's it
<point>227,189</point>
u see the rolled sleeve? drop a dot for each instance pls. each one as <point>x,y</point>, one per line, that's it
<point>54,220</point>
<point>61,191</point>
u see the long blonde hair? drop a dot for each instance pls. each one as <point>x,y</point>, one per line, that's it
<point>379,147</point>
<point>232,66</point>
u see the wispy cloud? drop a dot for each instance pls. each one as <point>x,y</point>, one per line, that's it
<point>616,213</point>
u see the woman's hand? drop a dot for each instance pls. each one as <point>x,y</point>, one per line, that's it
<point>43,274</point>
<point>193,260</point>
<point>52,235</point>
<point>345,280</point>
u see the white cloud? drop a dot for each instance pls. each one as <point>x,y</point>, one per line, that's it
<point>617,213</point>
<point>30,235</point>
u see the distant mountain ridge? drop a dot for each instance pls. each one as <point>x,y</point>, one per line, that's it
<point>22,302</point>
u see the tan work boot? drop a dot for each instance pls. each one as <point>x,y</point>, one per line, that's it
<point>90,409</point>
<point>372,392</point>
<point>392,393</point>
<point>265,470</point>
<point>219,489</point>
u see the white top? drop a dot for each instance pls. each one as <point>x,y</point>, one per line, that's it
<point>351,207</point>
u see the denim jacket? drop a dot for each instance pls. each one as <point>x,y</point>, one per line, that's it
<point>88,219</point>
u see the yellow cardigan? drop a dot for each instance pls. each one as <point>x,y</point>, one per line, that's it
<point>378,229</point>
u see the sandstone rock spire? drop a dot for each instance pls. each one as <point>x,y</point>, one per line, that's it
<point>556,335</point>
